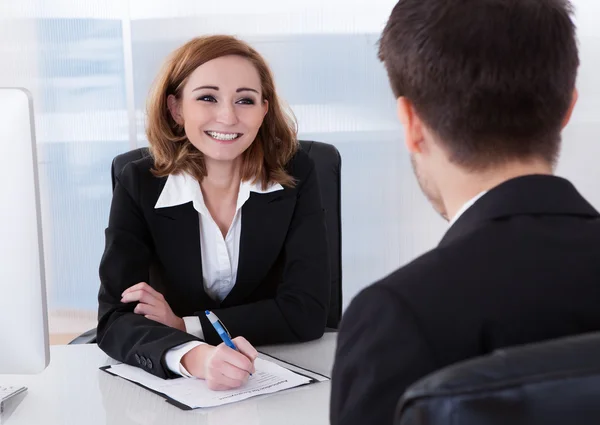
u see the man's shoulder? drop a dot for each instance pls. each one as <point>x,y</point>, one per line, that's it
<point>448,270</point>
<point>429,269</point>
<point>403,287</point>
<point>434,280</point>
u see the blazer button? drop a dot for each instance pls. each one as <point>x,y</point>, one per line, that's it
<point>149,364</point>
<point>143,359</point>
<point>137,359</point>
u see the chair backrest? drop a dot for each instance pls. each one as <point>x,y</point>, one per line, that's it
<point>553,382</point>
<point>328,166</point>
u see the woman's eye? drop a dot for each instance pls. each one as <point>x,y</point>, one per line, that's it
<point>246,101</point>
<point>207,98</point>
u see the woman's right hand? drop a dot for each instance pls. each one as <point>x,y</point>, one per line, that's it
<point>222,367</point>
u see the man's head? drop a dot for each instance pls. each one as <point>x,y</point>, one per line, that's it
<point>480,83</point>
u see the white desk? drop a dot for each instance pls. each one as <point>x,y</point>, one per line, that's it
<point>73,391</point>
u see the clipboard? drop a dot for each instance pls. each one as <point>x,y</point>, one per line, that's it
<point>164,396</point>
<point>311,376</point>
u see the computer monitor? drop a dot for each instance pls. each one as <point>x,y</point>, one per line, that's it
<point>23,312</point>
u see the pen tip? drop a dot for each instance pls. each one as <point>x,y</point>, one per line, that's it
<point>207,312</point>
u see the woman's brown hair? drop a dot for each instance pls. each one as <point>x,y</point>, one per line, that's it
<point>275,144</point>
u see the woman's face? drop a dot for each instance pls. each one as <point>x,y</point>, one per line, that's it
<point>221,107</point>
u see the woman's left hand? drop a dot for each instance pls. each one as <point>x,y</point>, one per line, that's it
<point>152,305</point>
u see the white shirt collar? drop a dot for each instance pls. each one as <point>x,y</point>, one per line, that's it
<point>182,188</point>
<point>466,206</point>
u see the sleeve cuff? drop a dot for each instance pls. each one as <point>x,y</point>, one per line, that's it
<point>174,355</point>
<point>193,326</point>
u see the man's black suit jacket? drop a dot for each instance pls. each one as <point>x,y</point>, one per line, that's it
<point>283,282</point>
<point>521,265</point>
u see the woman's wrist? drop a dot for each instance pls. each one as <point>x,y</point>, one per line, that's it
<point>195,360</point>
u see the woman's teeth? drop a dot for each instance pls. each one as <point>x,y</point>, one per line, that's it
<point>223,136</point>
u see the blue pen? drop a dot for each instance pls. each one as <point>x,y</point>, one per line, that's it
<point>221,329</point>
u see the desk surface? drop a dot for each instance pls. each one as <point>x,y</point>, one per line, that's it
<point>73,391</point>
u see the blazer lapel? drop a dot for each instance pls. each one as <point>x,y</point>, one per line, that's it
<point>181,225</point>
<point>265,222</point>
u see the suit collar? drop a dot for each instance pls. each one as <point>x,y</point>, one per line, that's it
<point>526,195</point>
<point>182,188</point>
<point>466,206</point>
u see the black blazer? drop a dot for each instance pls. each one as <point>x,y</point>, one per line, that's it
<point>521,265</point>
<point>283,281</point>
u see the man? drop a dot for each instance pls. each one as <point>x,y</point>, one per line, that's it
<point>483,88</point>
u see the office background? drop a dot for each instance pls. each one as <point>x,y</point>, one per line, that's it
<point>89,65</point>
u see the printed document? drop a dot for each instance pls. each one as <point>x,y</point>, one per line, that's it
<point>194,393</point>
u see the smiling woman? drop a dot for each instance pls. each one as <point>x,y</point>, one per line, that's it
<point>219,89</point>
<point>224,216</point>
<point>221,121</point>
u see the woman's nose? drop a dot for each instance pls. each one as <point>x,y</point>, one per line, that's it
<point>227,115</point>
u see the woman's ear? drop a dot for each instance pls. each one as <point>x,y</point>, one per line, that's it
<point>175,109</point>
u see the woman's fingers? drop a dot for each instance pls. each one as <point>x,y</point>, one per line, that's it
<point>232,372</point>
<point>146,309</point>
<point>246,349</point>
<point>235,358</point>
<point>142,296</point>
<point>142,286</point>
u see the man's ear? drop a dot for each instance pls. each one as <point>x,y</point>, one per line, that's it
<point>567,117</point>
<point>413,126</point>
<point>175,109</point>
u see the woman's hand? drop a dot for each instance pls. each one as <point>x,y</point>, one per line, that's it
<point>152,305</point>
<point>222,367</point>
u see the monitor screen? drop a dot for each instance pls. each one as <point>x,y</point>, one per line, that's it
<point>23,312</point>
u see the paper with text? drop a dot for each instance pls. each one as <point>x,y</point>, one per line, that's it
<point>269,378</point>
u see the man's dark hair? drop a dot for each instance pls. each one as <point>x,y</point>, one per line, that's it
<point>493,78</point>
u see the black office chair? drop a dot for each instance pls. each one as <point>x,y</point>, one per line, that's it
<point>548,383</point>
<point>328,164</point>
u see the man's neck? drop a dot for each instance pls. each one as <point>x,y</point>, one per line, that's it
<point>464,186</point>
